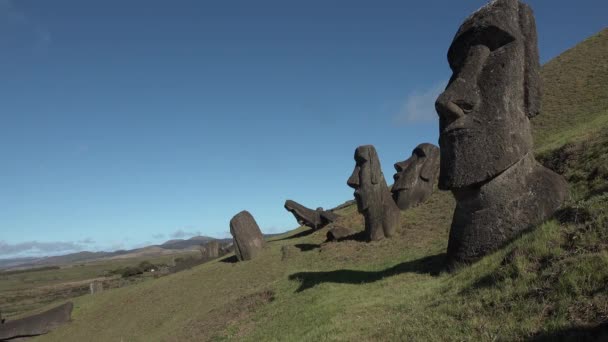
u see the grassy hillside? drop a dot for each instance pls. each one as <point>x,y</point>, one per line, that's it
<point>550,283</point>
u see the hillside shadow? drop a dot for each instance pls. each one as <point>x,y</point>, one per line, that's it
<point>432,265</point>
<point>298,235</point>
<point>578,334</point>
<point>230,259</point>
<point>305,247</point>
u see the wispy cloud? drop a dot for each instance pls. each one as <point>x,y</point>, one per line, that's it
<point>158,236</point>
<point>182,234</point>
<point>17,29</point>
<point>35,248</point>
<point>87,241</point>
<point>419,105</point>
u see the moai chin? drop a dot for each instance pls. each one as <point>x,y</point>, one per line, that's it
<point>416,177</point>
<point>485,137</point>
<point>373,198</point>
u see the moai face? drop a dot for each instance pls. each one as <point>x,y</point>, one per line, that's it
<point>373,197</point>
<point>494,89</point>
<point>367,179</point>
<point>416,177</point>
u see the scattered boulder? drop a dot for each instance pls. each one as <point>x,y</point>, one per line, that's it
<point>416,177</point>
<point>373,198</point>
<point>36,325</point>
<point>210,250</point>
<point>246,235</point>
<point>337,233</point>
<point>288,251</point>
<point>487,159</point>
<point>315,219</point>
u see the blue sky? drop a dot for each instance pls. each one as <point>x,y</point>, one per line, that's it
<point>127,123</point>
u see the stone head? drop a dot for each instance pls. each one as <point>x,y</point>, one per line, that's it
<point>416,176</point>
<point>494,89</point>
<point>367,178</point>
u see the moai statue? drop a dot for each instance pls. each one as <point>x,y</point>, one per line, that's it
<point>373,198</point>
<point>416,177</point>
<point>210,250</point>
<point>246,235</point>
<point>38,324</point>
<point>96,286</point>
<point>487,159</point>
<point>315,219</point>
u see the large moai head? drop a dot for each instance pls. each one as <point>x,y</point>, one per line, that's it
<point>416,176</point>
<point>247,236</point>
<point>373,198</point>
<point>494,89</point>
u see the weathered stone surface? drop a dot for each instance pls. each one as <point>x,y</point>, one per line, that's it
<point>210,250</point>
<point>485,135</point>
<point>373,198</point>
<point>96,286</point>
<point>35,325</point>
<point>315,219</point>
<point>337,233</point>
<point>247,237</point>
<point>416,176</point>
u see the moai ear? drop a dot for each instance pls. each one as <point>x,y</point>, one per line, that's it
<point>375,169</point>
<point>532,80</point>
<point>430,167</point>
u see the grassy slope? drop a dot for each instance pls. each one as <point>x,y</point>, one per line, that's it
<point>541,285</point>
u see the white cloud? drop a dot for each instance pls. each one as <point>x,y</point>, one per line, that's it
<point>35,248</point>
<point>181,234</point>
<point>419,105</point>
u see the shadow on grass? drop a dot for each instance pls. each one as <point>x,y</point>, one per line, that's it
<point>298,235</point>
<point>230,260</point>
<point>432,265</point>
<point>305,247</point>
<point>578,334</point>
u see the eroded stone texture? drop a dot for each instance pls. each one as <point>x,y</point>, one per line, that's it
<point>373,198</point>
<point>35,325</point>
<point>210,250</point>
<point>416,176</point>
<point>485,135</point>
<point>247,237</point>
<point>337,233</point>
<point>315,219</point>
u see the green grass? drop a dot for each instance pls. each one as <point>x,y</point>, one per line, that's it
<point>32,290</point>
<point>550,282</point>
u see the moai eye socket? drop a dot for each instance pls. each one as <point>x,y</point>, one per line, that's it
<point>490,36</point>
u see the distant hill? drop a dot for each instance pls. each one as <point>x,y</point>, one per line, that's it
<point>169,247</point>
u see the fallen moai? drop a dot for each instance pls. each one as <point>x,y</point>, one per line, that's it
<point>38,324</point>
<point>487,159</point>
<point>315,219</point>
<point>373,198</point>
<point>416,177</point>
<point>247,237</point>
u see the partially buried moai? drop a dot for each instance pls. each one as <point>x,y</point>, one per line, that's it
<point>247,237</point>
<point>485,137</point>
<point>374,199</point>
<point>315,219</point>
<point>416,177</point>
